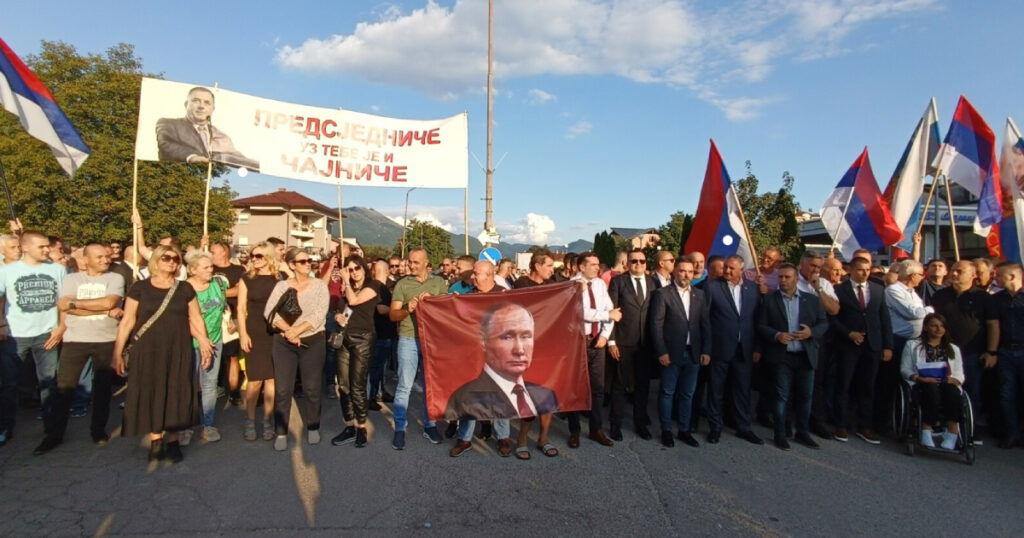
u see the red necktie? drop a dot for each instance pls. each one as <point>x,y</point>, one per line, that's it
<point>594,331</point>
<point>524,407</point>
<point>860,297</point>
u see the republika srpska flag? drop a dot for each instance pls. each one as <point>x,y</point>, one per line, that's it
<point>868,222</point>
<point>1007,236</point>
<point>24,95</point>
<point>968,156</point>
<point>717,227</point>
<point>903,194</point>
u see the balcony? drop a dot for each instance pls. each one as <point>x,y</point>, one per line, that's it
<point>304,231</point>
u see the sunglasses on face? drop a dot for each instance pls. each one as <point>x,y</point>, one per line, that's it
<point>355,268</point>
<point>170,258</point>
<point>637,261</point>
<point>304,261</point>
<point>257,256</point>
<point>396,266</point>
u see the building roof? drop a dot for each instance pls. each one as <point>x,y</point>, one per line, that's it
<point>284,198</point>
<point>630,233</point>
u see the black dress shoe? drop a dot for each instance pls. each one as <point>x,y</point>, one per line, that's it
<point>387,398</point>
<point>173,452</point>
<point>805,439</point>
<point>667,440</point>
<point>100,438</point>
<point>48,444</point>
<point>373,405</point>
<point>687,438</point>
<point>750,437</point>
<point>616,433</point>
<point>781,443</point>
<point>713,437</point>
<point>643,433</point>
<point>823,432</point>
<point>574,440</point>
<point>486,429</point>
<point>451,430</point>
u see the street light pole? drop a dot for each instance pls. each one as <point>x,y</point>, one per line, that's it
<point>489,172</point>
<point>405,219</point>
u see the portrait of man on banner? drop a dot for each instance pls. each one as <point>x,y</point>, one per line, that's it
<point>519,354</point>
<point>194,140</point>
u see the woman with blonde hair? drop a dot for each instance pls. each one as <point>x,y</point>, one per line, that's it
<point>211,294</point>
<point>256,339</point>
<point>161,317</point>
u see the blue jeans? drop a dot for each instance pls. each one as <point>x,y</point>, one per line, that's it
<point>410,362</point>
<point>208,382</point>
<point>793,372</point>
<point>1011,363</point>
<point>678,380</point>
<point>381,353</point>
<point>46,365</point>
<point>502,428</point>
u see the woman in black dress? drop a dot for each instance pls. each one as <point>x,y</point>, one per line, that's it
<point>163,390</point>
<point>256,339</point>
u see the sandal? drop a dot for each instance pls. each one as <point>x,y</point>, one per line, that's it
<point>523,452</point>
<point>268,431</point>
<point>548,450</point>
<point>250,430</point>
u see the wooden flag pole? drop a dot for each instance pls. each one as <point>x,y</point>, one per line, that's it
<point>928,201</point>
<point>746,229</point>
<point>135,209</point>
<point>206,203</point>
<point>839,227</point>
<point>341,228</point>
<point>952,220</point>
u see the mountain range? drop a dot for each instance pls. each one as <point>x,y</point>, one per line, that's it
<point>370,227</point>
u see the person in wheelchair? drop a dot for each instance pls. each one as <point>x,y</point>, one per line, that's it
<point>934,368</point>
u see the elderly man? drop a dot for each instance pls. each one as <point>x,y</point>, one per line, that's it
<point>10,247</point>
<point>663,268</point>
<point>193,139</point>
<point>907,312</point>
<point>764,276</point>
<point>698,267</point>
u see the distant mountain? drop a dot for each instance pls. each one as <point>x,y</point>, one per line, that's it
<point>371,227</point>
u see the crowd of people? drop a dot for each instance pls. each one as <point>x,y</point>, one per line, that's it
<point>823,344</point>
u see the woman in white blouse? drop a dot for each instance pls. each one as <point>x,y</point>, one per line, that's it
<point>935,368</point>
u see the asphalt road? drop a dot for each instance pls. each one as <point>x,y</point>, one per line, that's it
<point>637,488</point>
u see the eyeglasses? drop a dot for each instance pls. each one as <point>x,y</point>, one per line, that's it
<point>257,256</point>
<point>355,268</point>
<point>170,258</point>
<point>637,261</point>
<point>304,261</point>
<point>669,260</point>
<point>395,266</point>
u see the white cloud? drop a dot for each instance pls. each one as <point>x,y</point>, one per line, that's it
<point>425,217</point>
<point>541,97</point>
<point>534,229</point>
<point>581,127</point>
<point>441,50</point>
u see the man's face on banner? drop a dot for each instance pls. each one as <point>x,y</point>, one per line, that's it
<point>508,344</point>
<point>199,106</point>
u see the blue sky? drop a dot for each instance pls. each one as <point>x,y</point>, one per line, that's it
<point>604,108</point>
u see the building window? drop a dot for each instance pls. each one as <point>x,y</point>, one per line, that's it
<point>243,217</point>
<point>243,241</point>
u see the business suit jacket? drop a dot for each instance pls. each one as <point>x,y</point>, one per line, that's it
<point>669,324</point>
<point>732,328</point>
<point>774,319</point>
<point>873,321</point>
<point>176,139</point>
<point>483,399</point>
<point>632,328</point>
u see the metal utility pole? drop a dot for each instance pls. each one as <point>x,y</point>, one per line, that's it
<point>489,216</point>
<point>405,219</point>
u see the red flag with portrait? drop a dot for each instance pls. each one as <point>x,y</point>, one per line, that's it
<point>515,354</point>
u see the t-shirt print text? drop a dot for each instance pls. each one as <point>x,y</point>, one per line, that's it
<point>36,293</point>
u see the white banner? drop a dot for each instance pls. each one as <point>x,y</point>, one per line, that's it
<point>187,123</point>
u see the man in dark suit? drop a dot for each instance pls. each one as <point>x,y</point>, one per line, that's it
<point>506,332</point>
<point>792,325</point>
<point>193,139</point>
<point>629,364</point>
<point>863,335</point>
<point>681,339</point>
<point>734,303</point>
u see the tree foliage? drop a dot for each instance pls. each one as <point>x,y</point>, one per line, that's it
<point>376,252</point>
<point>674,233</point>
<point>605,248</point>
<point>771,216</point>
<point>435,239</point>
<point>100,95</point>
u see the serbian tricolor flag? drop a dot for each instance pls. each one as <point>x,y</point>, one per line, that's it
<point>906,186</point>
<point>968,156</point>
<point>718,228</point>
<point>24,95</point>
<point>1005,239</point>
<point>856,215</point>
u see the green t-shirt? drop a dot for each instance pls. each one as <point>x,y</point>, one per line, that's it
<point>409,287</point>
<point>212,303</point>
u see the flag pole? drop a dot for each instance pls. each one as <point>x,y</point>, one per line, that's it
<point>465,215</point>
<point>135,209</point>
<point>839,227</point>
<point>341,226</point>
<point>952,220</point>
<point>928,201</point>
<point>746,229</point>
<point>206,204</point>
<point>7,193</point>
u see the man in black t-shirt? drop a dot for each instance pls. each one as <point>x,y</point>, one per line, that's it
<point>973,325</point>
<point>387,334</point>
<point>935,273</point>
<point>221,253</point>
<point>542,271</point>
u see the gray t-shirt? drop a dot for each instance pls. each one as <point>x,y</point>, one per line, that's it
<point>98,327</point>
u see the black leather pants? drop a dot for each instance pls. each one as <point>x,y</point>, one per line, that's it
<point>353,363</point>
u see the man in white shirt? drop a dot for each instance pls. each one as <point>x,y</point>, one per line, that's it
<point>907,312</point>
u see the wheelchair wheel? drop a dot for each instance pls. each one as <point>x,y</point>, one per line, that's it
<point>900,416</point>
<point>909,447</point>
<point>969,454</point>
<point>967,423</point>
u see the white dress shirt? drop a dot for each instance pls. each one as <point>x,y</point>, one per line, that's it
<point>598,314</point>
<point>508,389</point>
<point>664,281</point>
<point>737,294</point>
<point>906,309</point>
<point>826,287</point>
<point>866,288</point>
<point>684,295</point>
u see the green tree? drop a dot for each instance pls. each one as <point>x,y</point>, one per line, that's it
<point>376,252</point>
<point>771,216</point>
<point>435,239</point>
<point>674,233</point>
<point>605,248</point>
<point>100,95</point>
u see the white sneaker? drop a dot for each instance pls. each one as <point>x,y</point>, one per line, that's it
<point>185,437</point>
<point>313,436</point>
<point>926,439</point>
<point>949,440</point>
<point>281,443</point>
<point>210,434</point>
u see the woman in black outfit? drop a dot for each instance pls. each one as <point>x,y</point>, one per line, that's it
<point>362,294</point>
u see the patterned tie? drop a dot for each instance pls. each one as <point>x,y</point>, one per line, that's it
<point>524,407</point>
<point>594,330</point>
<point>860,297</point>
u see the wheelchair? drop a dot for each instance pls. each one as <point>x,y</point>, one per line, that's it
<point>906,419</point>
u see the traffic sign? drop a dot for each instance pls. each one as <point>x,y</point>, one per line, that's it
<point>490,254</point>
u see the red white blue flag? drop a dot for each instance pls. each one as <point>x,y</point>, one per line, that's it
<point>906,186</point>
<point>1005,239</point>
<point>24,95</point>
<point>968,157</point>
<point>856,215</point>
<point>717,227</point>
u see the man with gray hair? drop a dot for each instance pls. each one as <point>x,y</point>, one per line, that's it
<point>907,312</point>
<point>10,248</point>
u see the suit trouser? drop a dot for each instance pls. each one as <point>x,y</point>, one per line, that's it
<point>678,381</point>
<point>793,375</point>
<point>886,380</point>
<point>633,364</point>
<point>739,368</point>
<point>288,359</point>
<point>700,392</point>
<point>353,361</point>
<point>595,364</point>
<point>73,357</point>
<point>823,401</point>
<point>855,376</point>
<point>764,378</point>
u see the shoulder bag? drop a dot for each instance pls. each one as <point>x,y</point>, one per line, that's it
<point>145,327</point>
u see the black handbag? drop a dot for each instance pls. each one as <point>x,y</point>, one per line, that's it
<point>287,307</point>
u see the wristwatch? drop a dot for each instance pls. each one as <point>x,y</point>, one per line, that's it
<point>71,305</point>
